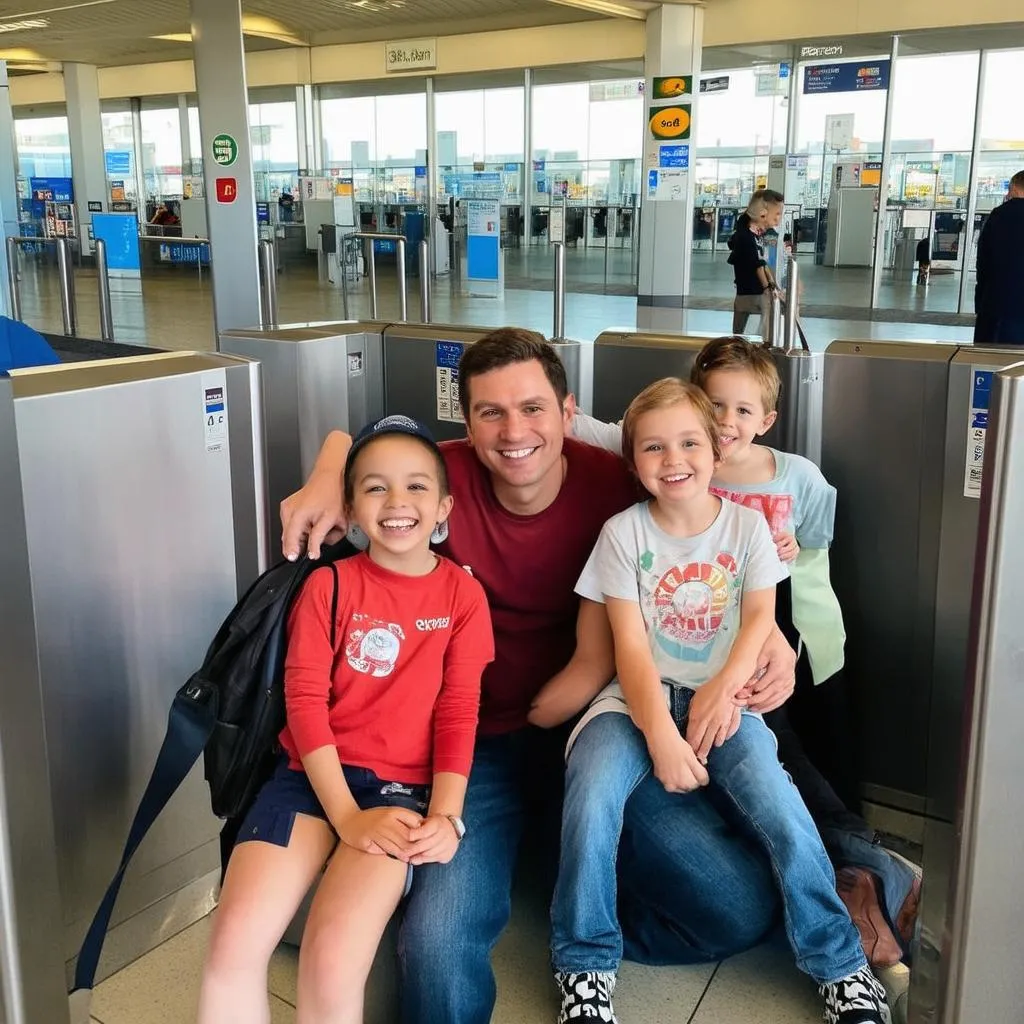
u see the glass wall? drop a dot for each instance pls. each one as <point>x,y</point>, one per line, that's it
<point>274,131</point>
<point>161,153</point>
<point>44,150</point>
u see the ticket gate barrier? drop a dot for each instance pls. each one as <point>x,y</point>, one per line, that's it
<point>133,516</point>
<point>421,373</point>
<point>903,440</point>
<point>967,964</point>
<point>625,362</point>
<point>316,378</point>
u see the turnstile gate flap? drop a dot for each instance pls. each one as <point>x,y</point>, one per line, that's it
<point>315,379</point>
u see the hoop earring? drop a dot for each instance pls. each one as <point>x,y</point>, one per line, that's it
<point>356,537</point>
<point>440,534</point>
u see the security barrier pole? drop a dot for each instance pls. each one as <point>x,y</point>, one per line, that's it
<point>13,283</point>
<point>792,305</point>
<point>67,287</point>
<point>103,280</point>
<point>371,266</point>
<point>268,295</point>
<point>424,282</point>
<point>559,324</point>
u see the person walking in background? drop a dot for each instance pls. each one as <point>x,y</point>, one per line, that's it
<point>999,295</point>
<point>753,279</point>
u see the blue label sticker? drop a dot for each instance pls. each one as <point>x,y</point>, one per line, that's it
<point>981,392</point>
<point>674,156</point>
<point>448,354</point>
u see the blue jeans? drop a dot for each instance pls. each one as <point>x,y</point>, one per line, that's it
<point>603,770</point>
<point>696,890</point>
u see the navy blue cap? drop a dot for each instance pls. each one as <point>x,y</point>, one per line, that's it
<point>395,424</point>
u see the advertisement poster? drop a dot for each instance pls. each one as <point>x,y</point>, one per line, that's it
<point>670,122</point>
<point>672,87</point>
<point>846,77</point>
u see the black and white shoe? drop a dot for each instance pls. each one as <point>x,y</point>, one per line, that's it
<point>587,997</point>
<point>858,999</point>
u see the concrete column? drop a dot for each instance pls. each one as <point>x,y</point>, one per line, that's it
<point>85,131</point>
<point>674,39</point>
<point>8,183</point>
<point>227,161</point>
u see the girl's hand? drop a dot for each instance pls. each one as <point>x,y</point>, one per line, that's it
<point>786,546</point>
<point>676,766</point>
<point>433,841</point>
<point>713,718</point>
<point>381,830</point>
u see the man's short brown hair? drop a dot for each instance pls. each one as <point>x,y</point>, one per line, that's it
<point>663,394</point>
<point>734,353</point>
<point>506,346</point>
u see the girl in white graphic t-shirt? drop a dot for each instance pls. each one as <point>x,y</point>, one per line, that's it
<point>676,708</point>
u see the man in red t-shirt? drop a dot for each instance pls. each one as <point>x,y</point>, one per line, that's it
<point>529,505</point>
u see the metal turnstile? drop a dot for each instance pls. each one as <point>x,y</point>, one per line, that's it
<point>625,362</point>
<point>901,447</point>
<point>316,378</point>
<point>421,372</point>
<point>967,964</point>
<point>133,514</point>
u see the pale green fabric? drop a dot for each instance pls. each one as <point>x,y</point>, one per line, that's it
<point>816,613</point>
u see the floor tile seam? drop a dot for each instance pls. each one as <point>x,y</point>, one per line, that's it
<point>703,995</point>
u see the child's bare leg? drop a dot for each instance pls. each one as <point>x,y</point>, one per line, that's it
<point>263,887</point>
<point>353,905</point>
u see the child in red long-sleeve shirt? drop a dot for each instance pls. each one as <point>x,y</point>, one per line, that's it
<point>379,740</point>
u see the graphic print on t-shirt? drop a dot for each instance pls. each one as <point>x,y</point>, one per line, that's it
<point>776,508</point>
<point>373,645</point>
<point>689,604</point>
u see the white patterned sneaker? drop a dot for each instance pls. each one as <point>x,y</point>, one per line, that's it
<point>587,997</point>
<point>858,999</point>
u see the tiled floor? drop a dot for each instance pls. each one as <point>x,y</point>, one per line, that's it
<point>762,986</point>
<point>174,309</point>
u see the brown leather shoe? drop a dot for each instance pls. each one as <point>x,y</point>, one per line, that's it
<point>858,889</point>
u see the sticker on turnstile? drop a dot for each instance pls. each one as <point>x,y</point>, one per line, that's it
<point>355,364</point>
<point>977,428</point>
<point>215,411</point>
<point>448,407</point>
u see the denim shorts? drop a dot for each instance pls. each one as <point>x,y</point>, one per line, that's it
<point>288,792</point>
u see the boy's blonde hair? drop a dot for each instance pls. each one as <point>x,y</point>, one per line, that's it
<point>739,354</point>
<point>663,394</point>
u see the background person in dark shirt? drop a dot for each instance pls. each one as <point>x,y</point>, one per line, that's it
<point>746,255</point>
<point>999,295</point>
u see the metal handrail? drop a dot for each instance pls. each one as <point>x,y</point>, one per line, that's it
<point>424,282</point>
<point>559,288</point>
<point>66,280</point>
<point>371,269</point>
<point>171,239</point>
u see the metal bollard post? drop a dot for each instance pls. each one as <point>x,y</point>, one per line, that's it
<point>12,278</point>
<point>559,324</point>
<point>792,305</point>
<point>268,265</point>
<point>403,297</point>
<point>771,325</point>
<point>103,280</point>
<point>371,270</point>
<point>67,287</point>
<point>424,282</point>
<point>343,248</point>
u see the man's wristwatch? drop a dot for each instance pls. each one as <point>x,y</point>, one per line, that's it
<point>458,824</point>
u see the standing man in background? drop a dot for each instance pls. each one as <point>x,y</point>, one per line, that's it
<point>746,255</point>
<point>999,295</point>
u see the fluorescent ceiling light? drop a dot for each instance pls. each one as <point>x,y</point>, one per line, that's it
<point>252,25</point>
<point>62,7</point>
<point>615,10</point>
<point>22,26</point>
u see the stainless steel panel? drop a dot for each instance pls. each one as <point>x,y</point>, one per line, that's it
<point>883,450</point>
<point>982,951</point>
<point>798,427</point>
<point>626,362</point>
<point>130,578</point>
<point>315,379</point>
<point>410,370</point>
<point>31,965</point>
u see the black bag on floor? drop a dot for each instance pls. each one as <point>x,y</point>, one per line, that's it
<point>233,710</point>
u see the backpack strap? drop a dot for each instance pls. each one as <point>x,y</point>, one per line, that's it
<point>334,608</point>
<point>190,725</point>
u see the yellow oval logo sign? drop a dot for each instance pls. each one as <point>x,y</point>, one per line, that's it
<point>666,88</point>
<point>670,122</point>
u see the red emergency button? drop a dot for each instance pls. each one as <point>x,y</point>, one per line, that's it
<point>227,190</point>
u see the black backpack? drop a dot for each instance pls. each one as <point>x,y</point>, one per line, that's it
<point>231,709</point>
